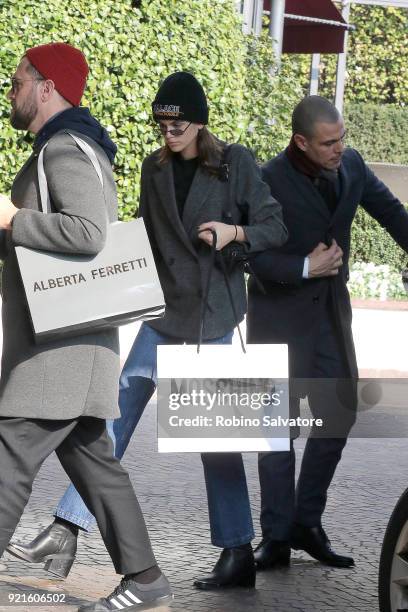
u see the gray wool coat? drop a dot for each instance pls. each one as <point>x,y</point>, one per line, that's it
<point>78,376</point>
<point>182,259</point>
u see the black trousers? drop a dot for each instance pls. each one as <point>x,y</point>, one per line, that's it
<point>86,454</point>
<point>332,397</point>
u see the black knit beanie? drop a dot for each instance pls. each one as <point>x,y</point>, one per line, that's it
<point>181,97</point>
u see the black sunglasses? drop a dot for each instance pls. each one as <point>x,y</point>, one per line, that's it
<point>173,131</point>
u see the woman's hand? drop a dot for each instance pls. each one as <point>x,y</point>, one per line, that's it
<point>225,233</point>
<point>7,212</point>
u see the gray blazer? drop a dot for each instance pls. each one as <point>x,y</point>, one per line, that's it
<point>68,378</point>
<point>182,259</point>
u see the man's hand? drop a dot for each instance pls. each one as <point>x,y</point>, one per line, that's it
<point>7,212</point>
<point>324,260</point>
<point>225,233</point>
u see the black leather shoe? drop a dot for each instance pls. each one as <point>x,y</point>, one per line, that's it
<point>272,553</point>
<point>235,567</point>
<point>56,545</point>
<point>315,542</point>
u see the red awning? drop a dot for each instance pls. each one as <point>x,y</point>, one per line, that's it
<point>307,37</point>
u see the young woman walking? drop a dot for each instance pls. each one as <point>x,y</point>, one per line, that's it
<point>184,196</point>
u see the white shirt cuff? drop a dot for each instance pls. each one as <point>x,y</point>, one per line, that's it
<point>305,273</point>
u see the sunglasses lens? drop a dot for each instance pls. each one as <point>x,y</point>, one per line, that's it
<point>172,131</point>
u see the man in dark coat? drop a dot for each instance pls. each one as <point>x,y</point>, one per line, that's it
<point>306,304</point>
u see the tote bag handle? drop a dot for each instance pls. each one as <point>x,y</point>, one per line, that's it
<point>42,178</point>
<point>204,304</point>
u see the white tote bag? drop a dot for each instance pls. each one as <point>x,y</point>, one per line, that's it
<point>221,399</point>
<point>72,294</point>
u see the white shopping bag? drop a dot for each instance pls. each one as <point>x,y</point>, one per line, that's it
<point>221,399</point>
<point>69,295</point>
<point>72,294</point>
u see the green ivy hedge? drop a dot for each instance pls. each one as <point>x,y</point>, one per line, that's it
<point>378,132</point>
<point>269,100</point>
<point>131,47</point>
<point>371,243</point>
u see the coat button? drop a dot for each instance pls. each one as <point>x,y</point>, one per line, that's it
<point>171,261</point>
<point>315,299</point>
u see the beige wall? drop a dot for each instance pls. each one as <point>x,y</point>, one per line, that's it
<point>395,177</point>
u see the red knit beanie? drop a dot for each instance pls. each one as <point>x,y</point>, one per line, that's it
<point>64,65</point>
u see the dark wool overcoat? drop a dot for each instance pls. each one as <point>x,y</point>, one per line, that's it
<point>291,310</point>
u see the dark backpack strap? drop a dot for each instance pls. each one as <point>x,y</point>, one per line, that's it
<point>225,177</point>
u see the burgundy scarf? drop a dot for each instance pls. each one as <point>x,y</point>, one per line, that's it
<point>301,162</point>
<point>324,180</point>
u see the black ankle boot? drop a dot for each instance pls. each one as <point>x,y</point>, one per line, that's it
<point>272,553</point>
<point>235,567</point>
<point>56,545</point>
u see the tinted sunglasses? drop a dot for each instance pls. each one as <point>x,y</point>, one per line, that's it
<point>173,131</point>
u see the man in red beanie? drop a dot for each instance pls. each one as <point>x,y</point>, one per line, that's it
<point>56,397</point>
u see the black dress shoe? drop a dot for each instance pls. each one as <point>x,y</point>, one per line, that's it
<point>56,545</point>
<point>235,567</point>
<point>315,542</point>
<point>272,553</point>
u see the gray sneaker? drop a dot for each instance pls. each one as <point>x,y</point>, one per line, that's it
<point>131,595</point>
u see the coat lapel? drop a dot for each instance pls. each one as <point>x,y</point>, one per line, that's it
<point>309,193</point>
<point>164,183</point>
<point>200,189</point>
<point>344,183</point>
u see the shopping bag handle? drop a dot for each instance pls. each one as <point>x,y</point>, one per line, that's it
<point>204,304</point>
<point>42,178</point>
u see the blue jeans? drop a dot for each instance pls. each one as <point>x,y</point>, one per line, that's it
<point>227,492</point>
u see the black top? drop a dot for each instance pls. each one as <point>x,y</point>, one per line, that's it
<point>183,172</point>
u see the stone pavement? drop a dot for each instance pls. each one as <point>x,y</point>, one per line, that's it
<point>171,491</point>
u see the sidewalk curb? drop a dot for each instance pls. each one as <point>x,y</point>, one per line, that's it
<point>380,304</point>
